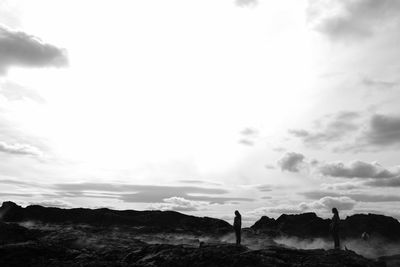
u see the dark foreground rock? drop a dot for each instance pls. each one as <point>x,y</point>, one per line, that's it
<point>12,233</point>
<point>391,261</point>
<point>39,254</point>
<point>230,255</point>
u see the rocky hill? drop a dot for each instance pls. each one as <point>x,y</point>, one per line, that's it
<point>146,221</point>
<point>309,225</point>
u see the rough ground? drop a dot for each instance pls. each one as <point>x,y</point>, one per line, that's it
<point>83,246</point>
<point>40,254</point>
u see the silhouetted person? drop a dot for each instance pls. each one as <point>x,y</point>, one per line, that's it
<point>237,225</point>
<point>335,228</point>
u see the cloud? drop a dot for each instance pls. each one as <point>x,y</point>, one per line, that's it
<point>327,203</point>
<point>269,166</point>
<point>3,194</point>
<point>52,203</point>
<point>378,84</point>
<point>137,188</point>
<point>265,188</point>
<point>179,204</point>
<point>384,130</point>
<point>352,19</point>
<point>356,169</point>
<point>249,131</point>
<point>249,135</point>
<point>246,142</point>
<point>20,149</point>
<point>244,3</point>
<point>389,182</point>
<point>279,149</point>
<point>322,205</point>
<point>150,193</point>
<point>197,182</point>
<point>154,197</point>
<point>281,209</point>
<point>295,162</point>
<point>375,198</point>
<point>342,186</point>
<point>360,197</point>
<point>336,128</point>
<point>292,162</point>
<point>20,49</point>
<point>14,182</point>
<point>348,131</point>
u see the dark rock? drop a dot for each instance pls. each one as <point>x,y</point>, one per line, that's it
<point>301,224</point>
<point>13,233</point>
<point>41,254</point>
<point>231,255</point>
<point>309,225</point>
<point>373,224</point>
<point>265,223</point>
<point>29,254</point>
<point>144,221</point>
<point>391,261</point>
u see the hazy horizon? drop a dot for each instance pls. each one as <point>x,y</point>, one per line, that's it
<point>203,107</point>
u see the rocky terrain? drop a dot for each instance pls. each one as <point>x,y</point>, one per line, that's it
<point>75,251</point>
<point>103,237</point>
<point>147,221</point>
<point>309,225</point>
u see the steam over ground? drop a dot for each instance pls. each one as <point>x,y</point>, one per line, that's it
<point>85,236</point>
<point>373,248</point>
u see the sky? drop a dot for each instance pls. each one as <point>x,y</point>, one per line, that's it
<point>201,106</point>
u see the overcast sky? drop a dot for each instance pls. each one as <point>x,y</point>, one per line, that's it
<point>201,106</point>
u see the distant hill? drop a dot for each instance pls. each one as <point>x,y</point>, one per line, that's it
<point>145,221</point>
<point>309,225</point>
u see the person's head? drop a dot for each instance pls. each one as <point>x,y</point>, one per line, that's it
<point>237,213</point>
<point>335,211</point>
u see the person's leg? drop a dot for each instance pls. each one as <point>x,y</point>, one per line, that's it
<point>336,240</point>
<point>237,233</point>
<point>240,236</point>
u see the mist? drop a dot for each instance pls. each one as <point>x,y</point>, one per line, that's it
<point>372,248</point>
<point>86,236</point>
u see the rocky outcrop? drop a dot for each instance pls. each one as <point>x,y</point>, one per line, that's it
<point>375,225</point>
<point>13,233</point>
<point>301,225</point>
<point>309,225</point>
<point>145,221</point>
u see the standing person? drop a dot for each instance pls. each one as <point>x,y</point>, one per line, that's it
<point>237,225</point>
<point>335,228</point>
